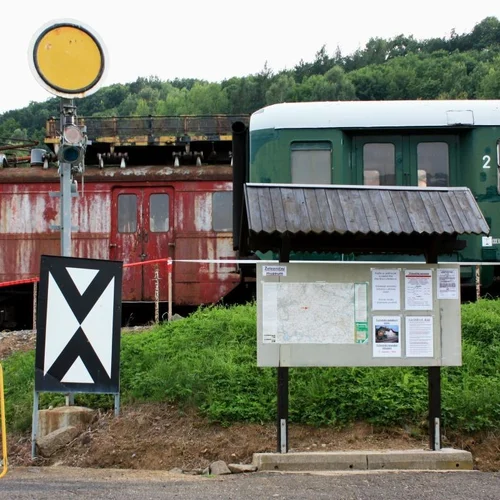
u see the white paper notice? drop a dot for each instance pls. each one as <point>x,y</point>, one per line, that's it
<point>385,290</point>
<point>386,336</point>
<point>447,283</point>
<point>269,312</point>
<point>418,290</point>
<point>419,337</point>
<point>273,270</point>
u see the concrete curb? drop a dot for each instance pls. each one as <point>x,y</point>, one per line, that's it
<point>446,459</point>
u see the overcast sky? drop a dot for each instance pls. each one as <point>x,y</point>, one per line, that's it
<point>214,40</point>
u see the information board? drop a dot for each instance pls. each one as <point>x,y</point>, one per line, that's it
<point>345,314</point>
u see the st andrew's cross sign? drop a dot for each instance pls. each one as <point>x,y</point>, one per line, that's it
<point>79,320</point>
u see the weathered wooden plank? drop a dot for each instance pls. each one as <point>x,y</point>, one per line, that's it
<point>336,210</point>
<point>455,212</point>
<point>354,213</point>
<point>266,210</point>
<point>469,207</point>
<point>401,211</point>
<point>441,212</point>
<point>428,198</point>
<point>253,209</point>
<point>295,210</point>
<point>278,210</point>
<point>390,212</point>
<point>313,210</point>
<point>417,212</point>
<point>378,208</point>
<point>452,213</point>
<point>325,212</point>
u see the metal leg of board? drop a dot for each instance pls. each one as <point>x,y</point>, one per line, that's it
<point>34,425</point>
<point>117,404</point>
<point>434,378</point>
<point>282,424</point>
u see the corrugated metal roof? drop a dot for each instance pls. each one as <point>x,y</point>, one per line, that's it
<point>362,210</point>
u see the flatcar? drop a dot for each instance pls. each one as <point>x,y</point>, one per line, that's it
<point>407,143</point>
<point>152,188</point>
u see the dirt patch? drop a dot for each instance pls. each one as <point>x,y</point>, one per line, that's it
<point>161,437</point>
<point>11,342</point>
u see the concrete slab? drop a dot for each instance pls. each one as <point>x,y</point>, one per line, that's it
<point>446,459</point>
<point>310,461</point>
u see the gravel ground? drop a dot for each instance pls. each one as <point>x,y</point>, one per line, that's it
<point>65,483</point>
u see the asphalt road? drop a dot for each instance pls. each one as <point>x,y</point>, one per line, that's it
<point>62,483</point>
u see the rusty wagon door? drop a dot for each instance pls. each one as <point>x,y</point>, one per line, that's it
<point>141,230</point>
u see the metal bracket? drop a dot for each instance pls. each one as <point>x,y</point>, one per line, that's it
<point>437,434</point>
<point>53,194</point>
<point>283,435</point>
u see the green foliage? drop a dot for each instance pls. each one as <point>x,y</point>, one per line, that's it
<point>18,373</point>
<point>208,361</point>
<point>461,66</point>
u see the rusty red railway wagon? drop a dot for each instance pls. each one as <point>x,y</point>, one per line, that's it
<point>146,194</point>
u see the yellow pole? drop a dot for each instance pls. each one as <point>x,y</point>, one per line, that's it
<point>4,427</point>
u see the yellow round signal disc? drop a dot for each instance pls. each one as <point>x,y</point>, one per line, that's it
<point>69,59</point>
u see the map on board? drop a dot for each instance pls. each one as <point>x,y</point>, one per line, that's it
<point>312,313</point>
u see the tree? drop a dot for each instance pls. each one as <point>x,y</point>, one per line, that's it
<point>282,89</point>
<point>333,86</point>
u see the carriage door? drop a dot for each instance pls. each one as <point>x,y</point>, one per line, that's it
<point>126,238</point>
<point>141,231</point>
<point>157,239</point>
<point>378,161</point>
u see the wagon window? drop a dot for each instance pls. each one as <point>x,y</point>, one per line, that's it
<point>159,213</point>
<point>311,163</point>
<point>433,164</point>
<point>127,213</point>
<point>222,211</point>
<point>379,164</point>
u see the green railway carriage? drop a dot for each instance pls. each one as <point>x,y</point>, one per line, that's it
<point>408,143</point>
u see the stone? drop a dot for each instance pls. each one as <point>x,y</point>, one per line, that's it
<point>176,470</point>
<point>193,472</point>
<point>56,440</point>
<point>241,468</point>
<point>219,468</point>
<point>63,416</point>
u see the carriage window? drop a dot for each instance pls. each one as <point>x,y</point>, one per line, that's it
<point>433,164</point>
<point>159,213</point>
<point>127,213</point>
<point>311,163</point>
<point>379,164</point>
<point>222,211</point>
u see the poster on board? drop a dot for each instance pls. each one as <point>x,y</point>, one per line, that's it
<point>386,336</point>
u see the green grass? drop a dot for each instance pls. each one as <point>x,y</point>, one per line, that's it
<point>209,361</point>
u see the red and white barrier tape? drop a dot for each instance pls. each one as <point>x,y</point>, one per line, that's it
<point>169,261</point>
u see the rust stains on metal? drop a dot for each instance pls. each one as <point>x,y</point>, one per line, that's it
<point>116,174</point>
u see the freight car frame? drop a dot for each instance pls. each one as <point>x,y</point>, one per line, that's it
<point>132,207</point>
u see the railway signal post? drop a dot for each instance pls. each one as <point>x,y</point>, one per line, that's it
<point>68,59</point>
